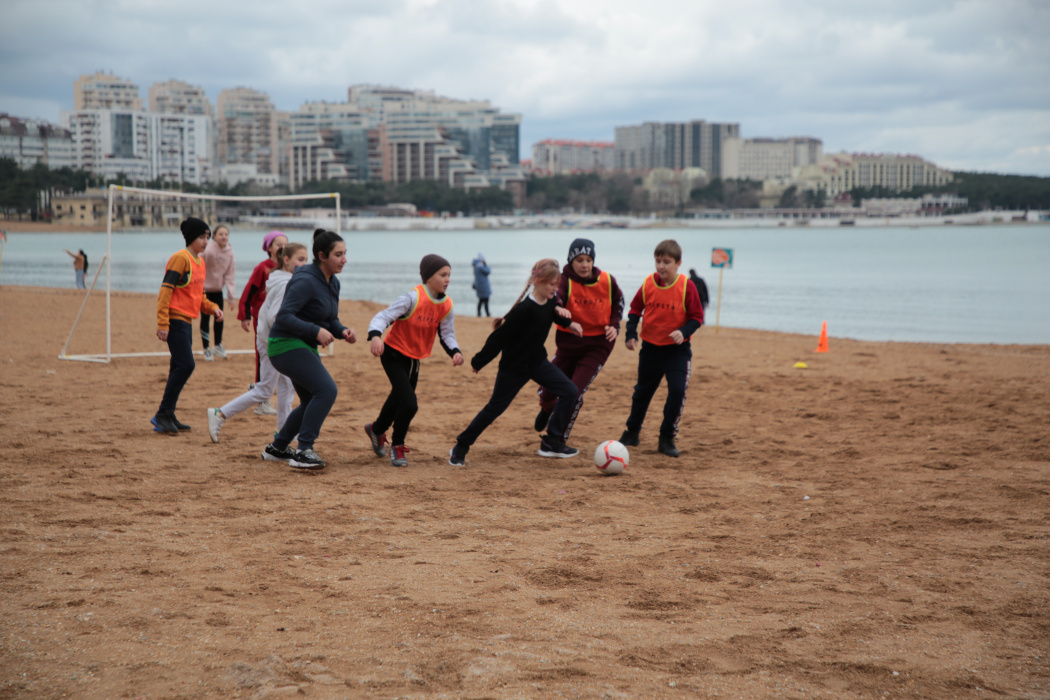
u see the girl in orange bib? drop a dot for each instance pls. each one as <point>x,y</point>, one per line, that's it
<point>414,320</point>
<point>596,302</point>
<point>180,301</point>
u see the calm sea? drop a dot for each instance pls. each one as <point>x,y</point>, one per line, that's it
<point>966,284</point>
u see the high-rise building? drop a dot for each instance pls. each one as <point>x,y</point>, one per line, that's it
<point>106,91</point>
<point>765,159</point>
<point>248,130</point>
<point>29,142</point>
<point>178,97</point>
<point>678,145</point>
<point>559,156</point>
<point>333,142</point>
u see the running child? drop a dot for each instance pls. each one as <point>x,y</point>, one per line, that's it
<point>218,256</point>
<point>180,301</point>
<point>520,336</point>
<point>596,302</point>
<point>254,295</point>
<point>670,310</point>
<point>414,319</point>
<point>292,256</point>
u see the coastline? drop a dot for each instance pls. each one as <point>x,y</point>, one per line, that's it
<point>875,522</point>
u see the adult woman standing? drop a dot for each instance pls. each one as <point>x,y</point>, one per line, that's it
<point>309,317</point>
<point>481,282</point>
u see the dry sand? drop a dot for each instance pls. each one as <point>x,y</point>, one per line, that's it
<point>873,526</point>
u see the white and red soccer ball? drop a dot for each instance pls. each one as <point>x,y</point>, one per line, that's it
<point>611,457</point>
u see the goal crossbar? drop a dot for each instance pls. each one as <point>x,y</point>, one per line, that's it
<point>106,263</point>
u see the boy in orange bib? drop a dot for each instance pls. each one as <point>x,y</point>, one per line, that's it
<point>414,319</point>
<point>669,308</point>
<point>596,302</point>
<point>180,301</point>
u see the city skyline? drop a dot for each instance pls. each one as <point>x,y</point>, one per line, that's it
<point>959,83</point>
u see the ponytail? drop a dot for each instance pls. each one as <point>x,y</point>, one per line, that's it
<point>542,271</point>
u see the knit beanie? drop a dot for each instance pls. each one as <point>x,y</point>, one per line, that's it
<point>430,264</point>
<point>269,239</point>
<point>192,229</point>
<point>581,246</point>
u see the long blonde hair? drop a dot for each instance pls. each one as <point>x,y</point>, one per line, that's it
<point>545,270</point>
<point>285,252</point>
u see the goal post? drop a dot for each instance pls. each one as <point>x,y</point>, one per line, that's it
<point>107,261</point>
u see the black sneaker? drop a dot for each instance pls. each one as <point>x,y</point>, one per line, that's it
<point>162,423</point>
<point>277,454</point>
<point>553,447</point>
<point>541,420</point>
<point>378,441</point>
<point>178,424</point>
<point>666,446</point>
<point>629,438</point>
<point>307,459</point>
<point>457,456</point>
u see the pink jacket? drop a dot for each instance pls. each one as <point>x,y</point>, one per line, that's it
<point>219,263</point>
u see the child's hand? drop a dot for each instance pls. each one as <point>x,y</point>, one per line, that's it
<point>576,328</point>
<point>324,338</point>
<point>246,325</point>
<point>218,315</point>
<point>162,335</point>
<point>376,346</point>
<point>632,343</point>
<point>457,360</point>
<point>611,333</point>
<point>563,312</point>
<point>349,335</point>
<point>677,337</point>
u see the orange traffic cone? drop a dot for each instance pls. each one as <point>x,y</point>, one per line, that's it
<point>822,344</point>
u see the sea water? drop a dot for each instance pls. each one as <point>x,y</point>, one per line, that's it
<point>948,284</point>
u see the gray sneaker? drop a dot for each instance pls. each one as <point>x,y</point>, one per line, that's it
<point>307,459</point>
<point>220,352</point>
<point>215,422</point>
<point>207,355</point>
<point>378,441</point>
<point>265,408</point>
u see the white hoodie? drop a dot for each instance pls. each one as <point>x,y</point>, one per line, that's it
<point>275,287</point>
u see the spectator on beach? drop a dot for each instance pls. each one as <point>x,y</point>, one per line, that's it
<point>80,266</point>
<point>218,257</point>
<point>701,287</point>
<point>481,283</point>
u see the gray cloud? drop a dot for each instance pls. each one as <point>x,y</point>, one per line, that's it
<point>963,83</point>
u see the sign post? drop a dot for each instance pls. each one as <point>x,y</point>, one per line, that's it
<point>720,258</point>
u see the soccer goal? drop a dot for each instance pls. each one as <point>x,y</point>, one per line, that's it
<point>108,355</point>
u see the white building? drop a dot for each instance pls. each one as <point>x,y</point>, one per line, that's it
<point>842,172</point>
<point>560,156</point>
<point>333,142</point>
<point>249,131</point>
<point>768,159</point>
<point>180,148</point>
<point>178,97</point>
<point>106,91</point>
<point>29,142</point>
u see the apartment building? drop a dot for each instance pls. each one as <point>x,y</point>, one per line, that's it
<point>677,145</point>
<point>106,91</point>
<point>842,172</point>
<point>560,156</point>
<point>768,159</point>
<point>333,142</point>
<point>29,142</point>
<point>249,131</point>
<point>178,97</point>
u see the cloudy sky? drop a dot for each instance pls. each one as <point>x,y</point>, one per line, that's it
<point>964,83</point>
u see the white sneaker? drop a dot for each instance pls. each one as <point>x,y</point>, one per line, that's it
<point>207,355</point>
<point>220,352</point>
<point>265,408</point>
<point>215,423</point>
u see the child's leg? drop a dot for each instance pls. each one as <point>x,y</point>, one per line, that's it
<point>215,298</point>
<point>554,379</point>
<point>180,345</point>
<point>285,395</point>
<point>255,336</point>
<point>678,366</point>
<point>584,373</point>
<point>503,392</point>
<point>565,360</point>
<point>650,372</point>
<point>205,330</point>
<point>401,405</point>
<point>262,391</point>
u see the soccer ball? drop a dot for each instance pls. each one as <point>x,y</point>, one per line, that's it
<point>611,457</point>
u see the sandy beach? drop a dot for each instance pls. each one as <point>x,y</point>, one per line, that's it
<point>873,526</point>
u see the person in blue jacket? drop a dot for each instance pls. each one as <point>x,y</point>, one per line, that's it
<point>481,283</point>
<point>309,317</point>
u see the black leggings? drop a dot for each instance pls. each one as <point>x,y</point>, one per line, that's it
<point>401,405</point>
<point>483,302</point>
<point>215,298</point>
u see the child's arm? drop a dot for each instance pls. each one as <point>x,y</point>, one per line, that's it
<point>228,279</point>
<point>382,320</point>
<point>633,317</point>
<point>447,338</point>
<point>616,314</point>
<point>694,312</point>
<point>174,273</point>
<point>498,338</point>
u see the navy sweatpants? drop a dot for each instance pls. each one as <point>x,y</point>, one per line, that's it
<point>317,393</point>
<point>180,345</point>
<point>654,363</point>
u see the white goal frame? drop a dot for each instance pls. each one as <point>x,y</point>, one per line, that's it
<point>108,356</point>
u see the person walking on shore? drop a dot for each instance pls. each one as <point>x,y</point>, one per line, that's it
<point>218,257</point>
<point>80,266</point>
